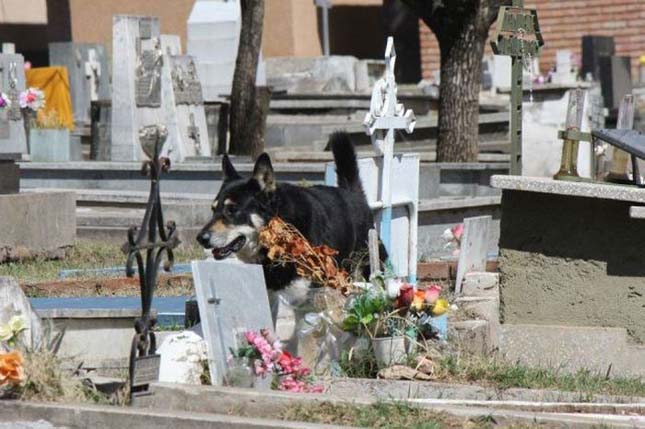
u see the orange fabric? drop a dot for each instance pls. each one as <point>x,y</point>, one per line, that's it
<point>53,81</point>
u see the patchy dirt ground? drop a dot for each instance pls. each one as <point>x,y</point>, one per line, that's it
<point>175,285</point>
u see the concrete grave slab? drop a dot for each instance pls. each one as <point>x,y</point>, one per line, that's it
<point>232,299</point>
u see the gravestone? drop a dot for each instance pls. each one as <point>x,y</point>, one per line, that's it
<point>12,83</point>
<point>615,79</point>
<point>232,299</point>
<point>89,76</point>
<point>563,68</point>
<point>473,251</point>
<point>213,34</point>
<point>137,99</point>
<point>593,48</point>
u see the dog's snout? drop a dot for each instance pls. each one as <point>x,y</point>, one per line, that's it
<point>204,238</point>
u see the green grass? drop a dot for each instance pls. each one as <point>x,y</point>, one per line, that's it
<point>84,254</point>
<point>503,375</point>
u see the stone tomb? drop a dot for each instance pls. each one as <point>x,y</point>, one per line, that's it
<point>137,99</point>
<point>232,298</point>
<point>12,83</point>
<point>87,68</point>
<point>187,106</point>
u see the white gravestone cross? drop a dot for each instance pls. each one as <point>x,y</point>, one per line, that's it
<point>93,73</point>
<point>386,116</point>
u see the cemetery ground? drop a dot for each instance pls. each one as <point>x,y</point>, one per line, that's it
<point>464,390</point>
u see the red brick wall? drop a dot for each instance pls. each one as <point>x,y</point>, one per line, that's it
<point>564,22</point>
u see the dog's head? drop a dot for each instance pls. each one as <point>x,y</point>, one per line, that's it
<point>240,210</point>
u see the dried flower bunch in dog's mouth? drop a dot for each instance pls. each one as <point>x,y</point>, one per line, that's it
<point>285,244</point>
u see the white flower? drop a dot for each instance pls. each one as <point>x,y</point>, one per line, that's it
<point>17,324</point>
<point>393,287</point>
<point>5,333</point>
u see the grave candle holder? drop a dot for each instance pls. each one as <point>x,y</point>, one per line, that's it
<point>572,137</point>
<point>158,241</point>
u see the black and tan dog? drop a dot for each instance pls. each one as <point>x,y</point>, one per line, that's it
<point>336,216</point>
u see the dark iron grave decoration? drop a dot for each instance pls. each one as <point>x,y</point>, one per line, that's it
<point>157,240</point>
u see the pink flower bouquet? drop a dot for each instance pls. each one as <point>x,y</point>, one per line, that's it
<point>270,360</point>
<point>33,99</point>
<point>5,101</point>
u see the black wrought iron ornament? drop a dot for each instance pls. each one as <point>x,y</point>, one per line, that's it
<point>157,240</point>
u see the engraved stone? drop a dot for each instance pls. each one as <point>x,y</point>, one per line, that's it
<point>194,135</point>
<point>148,77</point>
<point>186,85</point>
<point>13,113</point>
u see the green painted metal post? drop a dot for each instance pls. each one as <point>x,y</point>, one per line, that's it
<point>517,35</point>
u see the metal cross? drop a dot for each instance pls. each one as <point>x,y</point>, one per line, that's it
<point>194,135</point>
<point>386,116</point>
<point>517,35</point>
<point>93,73</point>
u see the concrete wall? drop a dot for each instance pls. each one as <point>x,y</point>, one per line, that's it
<point>23,12</point>
<point>571,261</point>
<point>563,23</point>
<point>36,224</point>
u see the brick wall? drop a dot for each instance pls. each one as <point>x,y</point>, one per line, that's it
<point>563,23</point>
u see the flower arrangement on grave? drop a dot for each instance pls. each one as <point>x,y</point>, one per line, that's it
<point>395,316</point>
<point>285,244</point>
<point>269,360</point>
<point>5,101</point>
<point>32,99</point>
<point>11,359</point>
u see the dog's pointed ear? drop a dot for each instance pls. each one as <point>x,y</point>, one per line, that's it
<point>230,173</point>
<point>263,173</point>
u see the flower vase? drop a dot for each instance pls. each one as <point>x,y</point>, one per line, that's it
<point>263,382</point>
<point>389,350</point>
<point>240,373</point>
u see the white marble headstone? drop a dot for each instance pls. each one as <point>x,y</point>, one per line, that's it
<point>232,298</point>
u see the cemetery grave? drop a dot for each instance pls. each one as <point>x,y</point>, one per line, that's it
<point>511,305</point>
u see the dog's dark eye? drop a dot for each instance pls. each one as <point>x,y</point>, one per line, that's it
<point>230,210</point>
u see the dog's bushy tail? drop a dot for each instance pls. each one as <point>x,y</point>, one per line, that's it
<point>345,159</point>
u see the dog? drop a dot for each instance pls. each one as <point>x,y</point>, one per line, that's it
<point>338,217</point>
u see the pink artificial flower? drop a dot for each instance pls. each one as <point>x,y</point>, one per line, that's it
<point>432,293</point>
<point>457,231</point>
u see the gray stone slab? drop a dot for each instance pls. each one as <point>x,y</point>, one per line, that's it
<point>474,248</point>
<point>232,299</point>
<point>12,82</point>
<point>88,72</point>
<point>576,189</point>
<point>36,224</point>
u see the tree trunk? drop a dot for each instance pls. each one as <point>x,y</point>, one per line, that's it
<point>461,69</point>
<point>249,104</point>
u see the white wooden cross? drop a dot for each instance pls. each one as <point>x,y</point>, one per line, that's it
<point>386,116</point>
<point>93,73</point>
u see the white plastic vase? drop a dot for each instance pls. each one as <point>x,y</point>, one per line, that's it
<point>389,350</point>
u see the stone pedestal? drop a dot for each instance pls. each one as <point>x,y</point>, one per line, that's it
<point>9,173</point>
<point>570,254</point>
<point>36,224</point>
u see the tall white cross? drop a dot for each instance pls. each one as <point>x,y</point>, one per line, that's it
<point>93,73</point>
<point>386,116</point>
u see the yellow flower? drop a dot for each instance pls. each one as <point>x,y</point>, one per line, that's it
<point>17,324</point>
<point>440,307</point>
<point>5,333</point>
